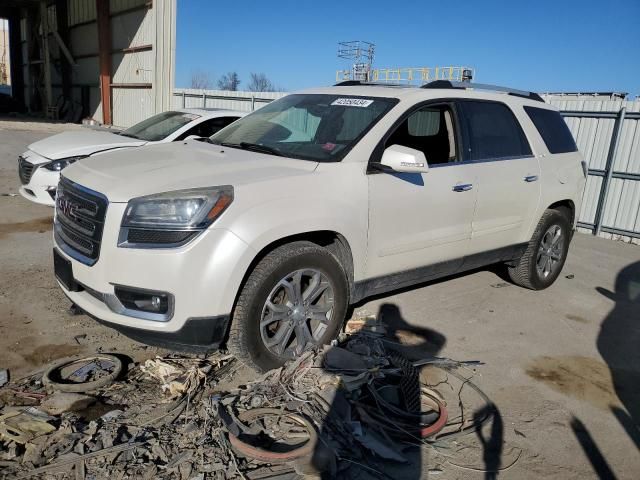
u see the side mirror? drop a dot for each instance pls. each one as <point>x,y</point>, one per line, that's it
<point>404,160</point>
<point>193,137</point>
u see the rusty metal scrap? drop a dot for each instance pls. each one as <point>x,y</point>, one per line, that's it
<point>331,411</point>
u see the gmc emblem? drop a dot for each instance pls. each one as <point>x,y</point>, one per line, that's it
<point>65,206</point>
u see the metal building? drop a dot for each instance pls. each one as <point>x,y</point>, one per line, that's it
<point>111,60</point>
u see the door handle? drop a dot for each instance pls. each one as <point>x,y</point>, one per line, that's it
<point>531,178</point>
<point>465,187</point>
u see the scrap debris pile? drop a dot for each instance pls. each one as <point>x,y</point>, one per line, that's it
<point>345,409</point>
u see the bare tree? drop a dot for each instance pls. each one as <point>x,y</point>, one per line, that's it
<point>260,83</point>
<point>201,80</point>
<point>229,81</point>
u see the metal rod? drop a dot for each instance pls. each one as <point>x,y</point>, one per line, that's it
<point>586,114</point>
<point>594,172</point>
<point>590,226</point>
<point>224,97</point>
<point>604,190</point>
<point>621,231</point>
<point>626,176</point>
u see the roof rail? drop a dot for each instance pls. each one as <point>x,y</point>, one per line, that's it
<point>351,83</point>
<point>481,86</point>
<point>347,83</point>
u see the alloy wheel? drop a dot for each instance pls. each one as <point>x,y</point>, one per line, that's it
<point>297,313</point>
<point>550,251</point>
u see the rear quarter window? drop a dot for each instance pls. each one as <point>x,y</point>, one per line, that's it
<point>553,129</point>
<point>491,131</point>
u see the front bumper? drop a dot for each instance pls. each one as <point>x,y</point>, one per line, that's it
<point>196,335</point>
<point>203,277</point>
<point>41,183</point>
<point>41,187</point>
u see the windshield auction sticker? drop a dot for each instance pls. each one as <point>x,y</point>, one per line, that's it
<point>352,102</point>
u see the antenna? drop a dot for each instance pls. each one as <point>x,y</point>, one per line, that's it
<point>361,54</point>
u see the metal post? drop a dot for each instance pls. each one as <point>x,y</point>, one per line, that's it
<point>204,100</point>
<point>44,22</point>
<point>253,102</point>
<point>104,58</point>
<point>184,101</point>
<point>604,190</point>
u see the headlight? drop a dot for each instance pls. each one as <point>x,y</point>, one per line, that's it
<point>57,165</point>
<point>193,209</point>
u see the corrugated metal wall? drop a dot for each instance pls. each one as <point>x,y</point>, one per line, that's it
<point>240,100</point>
<point>142,56</point>
<point>614,209</point>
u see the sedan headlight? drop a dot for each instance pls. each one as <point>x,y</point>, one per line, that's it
<point>163,218</point>
<point>57,165</point>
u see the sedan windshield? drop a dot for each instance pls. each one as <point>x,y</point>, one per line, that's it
<point>159,126</point>
<point>321,128</point>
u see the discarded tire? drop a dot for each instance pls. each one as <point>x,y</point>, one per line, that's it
<point>54,377</point>
<point>271,456</point>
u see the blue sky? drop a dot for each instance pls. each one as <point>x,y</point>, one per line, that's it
<point>561,45</point>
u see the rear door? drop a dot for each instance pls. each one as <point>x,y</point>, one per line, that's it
<point>508,174</point>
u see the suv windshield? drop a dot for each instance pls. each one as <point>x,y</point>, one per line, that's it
<point>321,128</point>
<point>159,126</point>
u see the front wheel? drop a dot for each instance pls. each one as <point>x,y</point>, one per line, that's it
<point>546,253</point>
<point>294,299</point>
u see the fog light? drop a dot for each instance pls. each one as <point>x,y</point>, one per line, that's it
<point>143,300</point>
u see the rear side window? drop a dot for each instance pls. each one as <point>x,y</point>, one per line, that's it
<point>491,131</point>
<point>553,130</point>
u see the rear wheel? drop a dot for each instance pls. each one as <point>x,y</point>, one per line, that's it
<point>294,299</point>
<point>546,253</point>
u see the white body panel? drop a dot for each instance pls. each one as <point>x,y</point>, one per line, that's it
<point>418,219</point>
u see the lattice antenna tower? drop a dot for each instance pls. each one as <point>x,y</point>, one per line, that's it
<point>360,53</point>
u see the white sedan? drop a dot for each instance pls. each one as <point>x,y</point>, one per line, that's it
<point>39,167</point>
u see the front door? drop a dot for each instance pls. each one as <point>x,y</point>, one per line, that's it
<point>422,220</point>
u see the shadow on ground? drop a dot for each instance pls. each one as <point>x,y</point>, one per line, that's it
<point>619,346</point>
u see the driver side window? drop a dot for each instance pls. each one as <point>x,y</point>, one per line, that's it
<point>430,130</point>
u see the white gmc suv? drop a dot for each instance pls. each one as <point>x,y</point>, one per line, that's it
<point>261,237</point>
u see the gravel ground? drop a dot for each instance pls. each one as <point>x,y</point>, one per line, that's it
<point>561,365</point>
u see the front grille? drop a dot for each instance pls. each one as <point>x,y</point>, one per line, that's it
<point>80,214</point>
<point>25,170</point>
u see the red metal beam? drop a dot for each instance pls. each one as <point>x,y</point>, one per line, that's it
<point>104,54</point>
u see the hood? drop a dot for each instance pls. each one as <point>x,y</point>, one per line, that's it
<point>81,142</point>
<point>124,174</point>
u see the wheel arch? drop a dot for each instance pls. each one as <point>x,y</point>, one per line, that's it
<point>333,241</point>
<point>568,206</point>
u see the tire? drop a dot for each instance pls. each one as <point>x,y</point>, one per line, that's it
<point>274,280</point>
<point>526,271</point>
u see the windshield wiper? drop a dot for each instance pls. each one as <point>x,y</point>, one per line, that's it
<point>129,135</point>
<point>256,147</point>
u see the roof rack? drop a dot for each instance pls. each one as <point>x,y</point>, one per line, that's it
<point>481,86</point>
<point>351,83</point>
